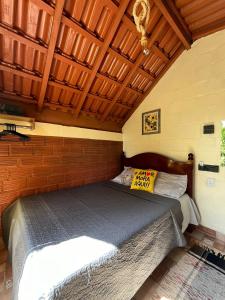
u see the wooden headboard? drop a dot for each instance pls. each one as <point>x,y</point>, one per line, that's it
<point>163,163</point>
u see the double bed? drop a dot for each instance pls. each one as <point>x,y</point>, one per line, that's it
<point>99,241</point>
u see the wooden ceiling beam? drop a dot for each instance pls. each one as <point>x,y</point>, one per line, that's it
<point>108,101</point>
<point>130,64</point>
<point>154,47</point>
<point>169,11</point>
<point>146,74</point>
<point>110,80</point>
<point>44,6</point>
<point>56,106</point>
<point>118,84</point>
<point>58,116</point>
<point>71,62</point>
<point>161,74</point>
<point>65,59</point>
<point>117,19</point>
<point>98,75</point>
<point>23,40</point>
<point>137,63</point>
<point>120,57</point>
<point>158,52</point>
<point>51,48</point>
<point>29,100</point>
<point>79,92</point>
<point>91,37</point>
<point>14,97</point>
<point>20,73</point>
<point>65,87</point>
<point>136,92</point>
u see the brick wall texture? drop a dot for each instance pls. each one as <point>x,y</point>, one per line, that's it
<point>50,163</point>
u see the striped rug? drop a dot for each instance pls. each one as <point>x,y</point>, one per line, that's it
<point>198,275</point>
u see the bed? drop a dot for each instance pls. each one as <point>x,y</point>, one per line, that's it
<point>99,241</point>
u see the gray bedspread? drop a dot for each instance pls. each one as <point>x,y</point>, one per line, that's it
<point>99,241</point>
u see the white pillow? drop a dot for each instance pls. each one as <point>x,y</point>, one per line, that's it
<point>170,185</point>
<point>125,177</point>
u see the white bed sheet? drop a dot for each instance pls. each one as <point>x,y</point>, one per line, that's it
<point>190,212</point>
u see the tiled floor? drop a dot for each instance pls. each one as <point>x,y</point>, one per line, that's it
<point>151,282</point>
<point>194,237</point>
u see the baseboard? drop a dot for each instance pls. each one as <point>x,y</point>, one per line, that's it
<point>210,232</point>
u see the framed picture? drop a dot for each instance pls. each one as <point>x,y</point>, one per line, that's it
<point>151,122</point>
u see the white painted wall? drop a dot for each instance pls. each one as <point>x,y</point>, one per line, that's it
<point>191,94</point>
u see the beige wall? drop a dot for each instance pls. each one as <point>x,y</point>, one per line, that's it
<point>191,94</point>
<point>45,129</point>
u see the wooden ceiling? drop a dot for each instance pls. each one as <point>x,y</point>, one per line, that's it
<point>79,62</point>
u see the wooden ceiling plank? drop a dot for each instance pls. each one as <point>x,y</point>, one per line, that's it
<point>118,17</point>
<point>209,29</point>
<point>51,48</point>
<point>161,74</point>
<point>23,40</point>
<point>192,7</point>
<point>210,19</point>
<point>151,41</point>
<point>170,15</point>
<point>20,73</point>
<point>205,11</point>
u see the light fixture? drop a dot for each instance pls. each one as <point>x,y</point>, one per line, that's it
<point>141,19</point>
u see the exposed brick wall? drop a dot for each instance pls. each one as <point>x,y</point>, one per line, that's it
<point>51,163</point>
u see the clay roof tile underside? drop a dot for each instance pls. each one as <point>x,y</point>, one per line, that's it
<point>85,58</point>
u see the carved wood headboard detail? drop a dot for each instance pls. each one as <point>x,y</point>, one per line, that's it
<point>163,163</point>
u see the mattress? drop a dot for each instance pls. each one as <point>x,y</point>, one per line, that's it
<point>100,241</point>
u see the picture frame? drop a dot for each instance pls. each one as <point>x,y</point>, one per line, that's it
<point>151,122</point>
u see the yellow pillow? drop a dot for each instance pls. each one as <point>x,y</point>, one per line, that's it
<point>144,180</point>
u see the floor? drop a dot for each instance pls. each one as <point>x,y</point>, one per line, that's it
<point>151,283</point>
<point>5,274</point>
<point>197,236</point>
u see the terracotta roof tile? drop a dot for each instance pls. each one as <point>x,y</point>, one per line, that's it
<point>97,69</point>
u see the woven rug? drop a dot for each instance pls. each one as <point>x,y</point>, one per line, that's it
<point>198,275</point>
